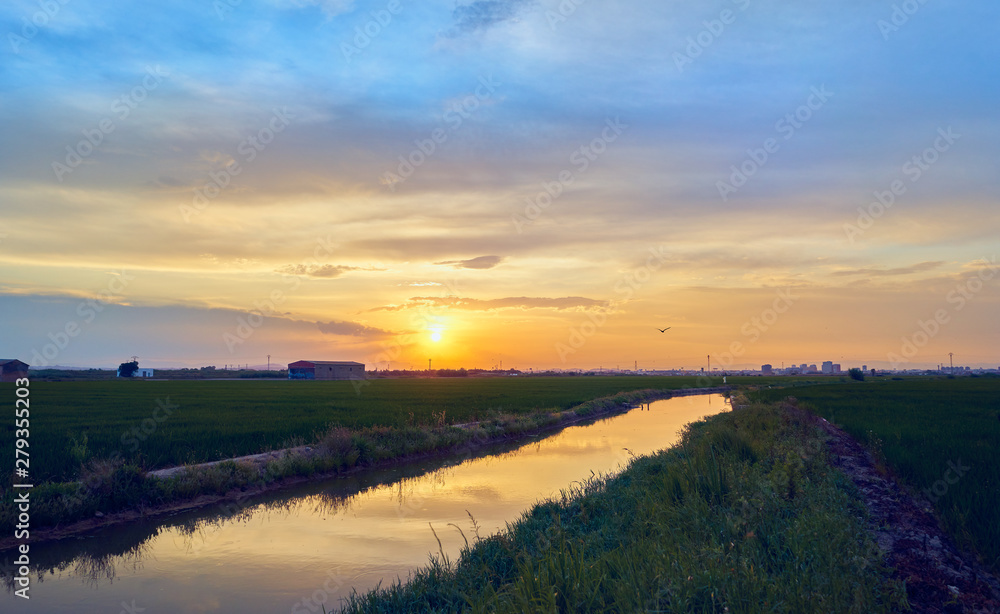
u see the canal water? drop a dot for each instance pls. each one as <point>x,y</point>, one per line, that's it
<point>297,549</point>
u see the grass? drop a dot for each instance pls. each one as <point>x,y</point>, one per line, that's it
<point>917,428</point>
<point>745,515</point>
<point>109,484</point>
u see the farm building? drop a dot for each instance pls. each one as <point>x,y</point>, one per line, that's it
<point>12,369</point>
<point>324,369</point>
<point>138,373</point>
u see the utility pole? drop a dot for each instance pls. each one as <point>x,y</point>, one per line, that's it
<point>428,364</point>
<point>709,363</point>
<point>268,362</point>
<point>951,357</point>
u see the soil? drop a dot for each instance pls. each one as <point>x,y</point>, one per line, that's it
<point>939,577</point>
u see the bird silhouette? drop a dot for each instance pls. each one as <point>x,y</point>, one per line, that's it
<point>663,330</point>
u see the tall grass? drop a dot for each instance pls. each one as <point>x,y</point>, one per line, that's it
<point>917,428</point>
<point>744,515</point>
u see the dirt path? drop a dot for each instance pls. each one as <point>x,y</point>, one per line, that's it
<point>939,578</point>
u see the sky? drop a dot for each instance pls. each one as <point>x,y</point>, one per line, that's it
<point>539,182</point>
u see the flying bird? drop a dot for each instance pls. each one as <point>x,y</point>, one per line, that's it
<point>663,330</point>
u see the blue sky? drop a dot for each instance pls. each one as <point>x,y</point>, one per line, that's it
<point>182,87</point>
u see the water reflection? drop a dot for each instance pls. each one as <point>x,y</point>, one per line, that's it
<point>266,553</point>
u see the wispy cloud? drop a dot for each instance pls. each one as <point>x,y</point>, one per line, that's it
<point>513,302</point>
<point>351,329</point>
<point>321,271</point>
<point>922,267</point>
<point>482,262</point>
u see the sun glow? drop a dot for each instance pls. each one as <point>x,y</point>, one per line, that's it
<point>436,333</point>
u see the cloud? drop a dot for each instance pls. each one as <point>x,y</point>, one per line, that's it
<point>879,272</point>
<point>482,262</point>
<point>513,302</point>
<point>352,329</point>
<point>323,271</point>
<point>484,14</point>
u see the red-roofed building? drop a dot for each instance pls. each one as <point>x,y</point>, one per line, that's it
<point>12,369</point>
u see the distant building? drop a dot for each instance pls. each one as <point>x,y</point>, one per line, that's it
<point>828,367</point>
<point>12,369</point>
<point>767,369</point>
<point>325,370</point>
<point>139,372</point>
<point>836,367</point>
